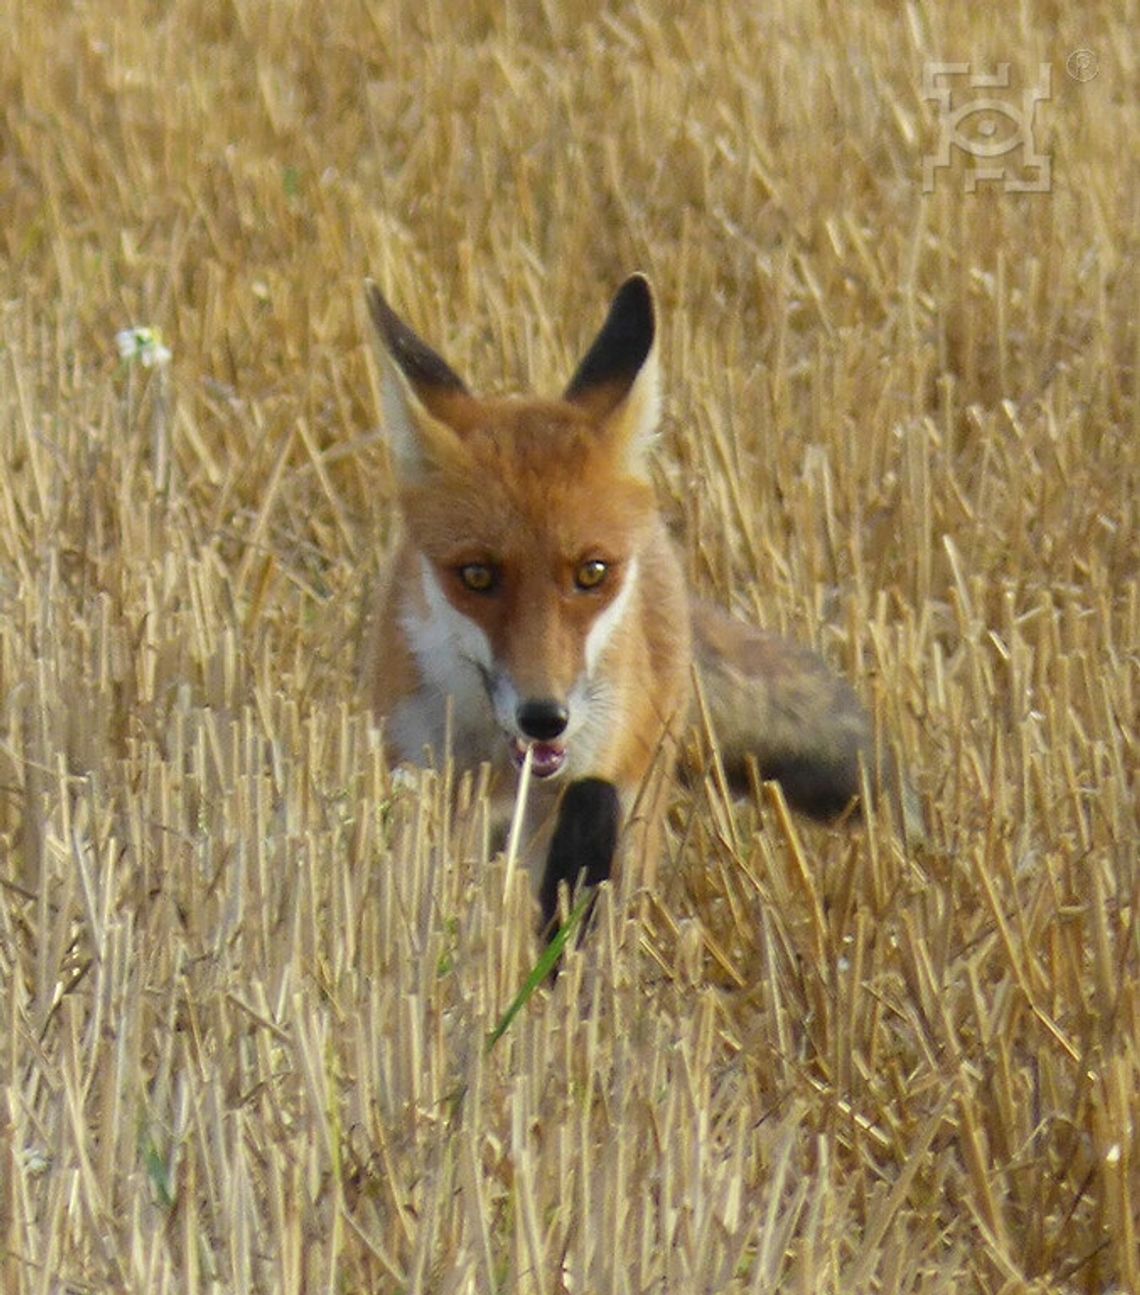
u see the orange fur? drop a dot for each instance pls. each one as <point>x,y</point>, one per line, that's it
<point>489,630</point>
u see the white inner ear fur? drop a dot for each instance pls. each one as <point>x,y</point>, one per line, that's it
<point>411,431</point>
<point>635,418</point>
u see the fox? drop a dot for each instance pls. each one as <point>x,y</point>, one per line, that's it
<point>534,610</point>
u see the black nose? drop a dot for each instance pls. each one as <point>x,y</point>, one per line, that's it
<point>542,718</point>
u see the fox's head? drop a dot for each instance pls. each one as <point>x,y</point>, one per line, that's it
<point>530,519</point>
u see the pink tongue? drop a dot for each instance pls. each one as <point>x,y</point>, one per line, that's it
<point>545,758</point>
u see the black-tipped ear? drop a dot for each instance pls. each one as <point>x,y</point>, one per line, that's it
<point>424,369</point>
<point>618,384</point>
<point>621,348</point>
<point>420,394</point>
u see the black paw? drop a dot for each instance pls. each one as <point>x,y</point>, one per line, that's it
<point>583,845</point>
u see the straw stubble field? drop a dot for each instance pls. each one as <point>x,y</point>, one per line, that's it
<point>247,977</point>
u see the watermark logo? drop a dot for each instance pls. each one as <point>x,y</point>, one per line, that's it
<point>985,118</point>
<point>1082,64</point>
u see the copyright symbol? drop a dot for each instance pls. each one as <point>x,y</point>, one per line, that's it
<point>1082,65</point>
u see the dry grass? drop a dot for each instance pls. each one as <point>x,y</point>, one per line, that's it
<point>246,979</point>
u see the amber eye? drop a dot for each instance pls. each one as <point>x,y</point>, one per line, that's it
<point>479,577</point>
<point>591,574</point>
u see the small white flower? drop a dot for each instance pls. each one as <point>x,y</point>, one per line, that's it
<point>36,1161</point>
<point>406,778</point>
<point>144,345</point>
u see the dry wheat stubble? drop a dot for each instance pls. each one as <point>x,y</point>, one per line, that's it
<point>245,977</point>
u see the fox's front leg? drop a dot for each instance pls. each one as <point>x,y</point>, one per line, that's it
<point>584,844</point>
<point>610,827</point>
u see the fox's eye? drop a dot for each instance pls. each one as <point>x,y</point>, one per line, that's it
<point>479,577</point>
<point>591,574</point>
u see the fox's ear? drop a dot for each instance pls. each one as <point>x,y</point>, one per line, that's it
<point>618,381</point>
<point>422,394</point>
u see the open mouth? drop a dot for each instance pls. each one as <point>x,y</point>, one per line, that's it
<point>546,758</point>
